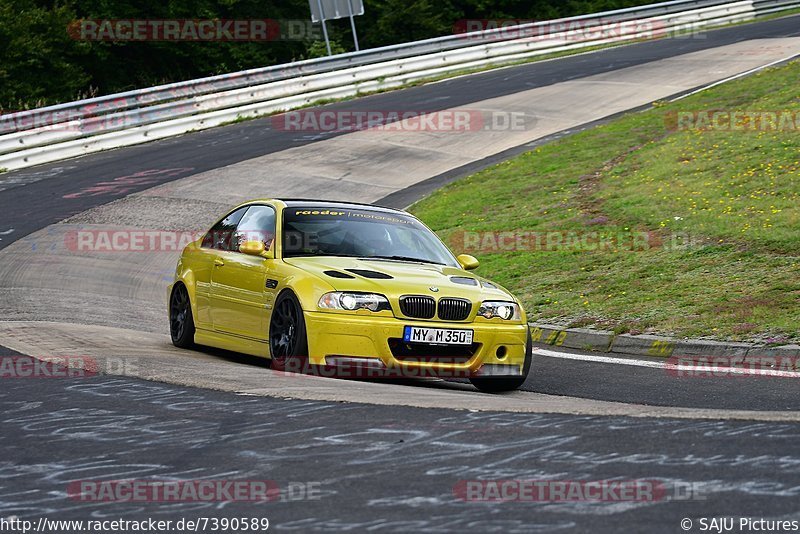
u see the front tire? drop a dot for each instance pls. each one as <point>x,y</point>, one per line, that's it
<point>504,384</point>
<point>288,341</point>
<point>181,322</point>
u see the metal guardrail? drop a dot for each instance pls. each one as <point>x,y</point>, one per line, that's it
<point>768,7</point>
<point>75,128</point>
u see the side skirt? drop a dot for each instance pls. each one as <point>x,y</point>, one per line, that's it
<point>232,343</point>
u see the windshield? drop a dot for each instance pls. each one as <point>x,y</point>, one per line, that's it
<point>310,231</point>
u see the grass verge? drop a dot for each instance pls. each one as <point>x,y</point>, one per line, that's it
<point>639,227</point>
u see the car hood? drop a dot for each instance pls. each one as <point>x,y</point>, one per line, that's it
<point>395,278</point>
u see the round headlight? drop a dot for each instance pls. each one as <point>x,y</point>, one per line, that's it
<point>349,302</point>
<point>505,312</point>
<point>354,302</point>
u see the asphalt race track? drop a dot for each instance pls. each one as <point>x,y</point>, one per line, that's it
<point>384,457</point>
<point>392,469</point>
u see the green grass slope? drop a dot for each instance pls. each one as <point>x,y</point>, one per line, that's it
<point>643,227</point>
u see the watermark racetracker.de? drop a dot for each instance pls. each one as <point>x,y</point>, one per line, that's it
<point>574,491</point>
<point>733,367</point>
<point>185,491</point>
<point>567,30</point>
<point>449,121</point>
<point>488,242</point>
<point>733,120</point>
<point>65,366</point>
<point>195,30</point>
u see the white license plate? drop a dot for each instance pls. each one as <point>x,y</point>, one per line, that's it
<point>441,336</point>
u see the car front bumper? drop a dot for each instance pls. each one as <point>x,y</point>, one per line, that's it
<point>376,342</point>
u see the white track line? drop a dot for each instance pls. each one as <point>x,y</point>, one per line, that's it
<point>671,366</point>
<point>599,359</point>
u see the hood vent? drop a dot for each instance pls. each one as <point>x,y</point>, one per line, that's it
<point>374,275</point>
<point>337,274</point>
<point>463,280</point>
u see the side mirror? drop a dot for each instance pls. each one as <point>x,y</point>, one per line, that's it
<point>468,263</point>
<point>256,248</point>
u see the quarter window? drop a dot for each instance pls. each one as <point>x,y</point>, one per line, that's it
<point>221,236</point>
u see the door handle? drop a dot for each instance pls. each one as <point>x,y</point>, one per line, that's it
<point>218,263</point>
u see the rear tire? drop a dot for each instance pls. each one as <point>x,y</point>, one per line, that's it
<point>288,341</point>
<point>502,384</point>
<point>181,322</point>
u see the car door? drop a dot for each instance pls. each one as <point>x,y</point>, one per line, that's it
<point>240,297</point>
<point>216,241</point>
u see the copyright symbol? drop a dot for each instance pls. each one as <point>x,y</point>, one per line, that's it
<point>686,524</point>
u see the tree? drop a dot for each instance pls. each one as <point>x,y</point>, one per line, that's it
<point>41,64</point>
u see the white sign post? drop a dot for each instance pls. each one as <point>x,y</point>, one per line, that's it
<point>322,10</point>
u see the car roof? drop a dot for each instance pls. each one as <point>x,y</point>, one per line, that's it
<point>309,203</point>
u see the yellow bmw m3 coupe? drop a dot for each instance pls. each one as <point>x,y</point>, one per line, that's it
<point>332,284</point>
